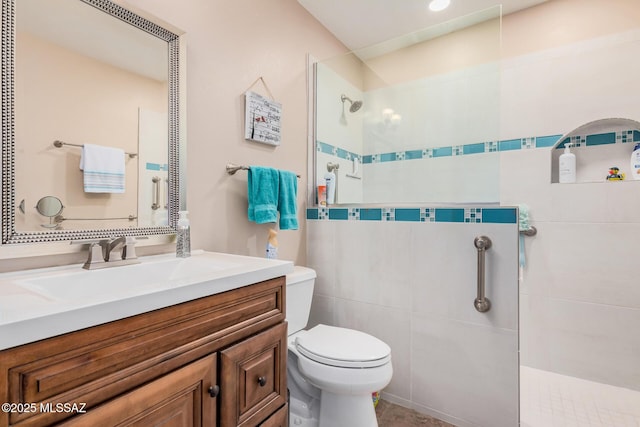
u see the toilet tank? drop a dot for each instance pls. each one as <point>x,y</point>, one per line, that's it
<point>299,295</point>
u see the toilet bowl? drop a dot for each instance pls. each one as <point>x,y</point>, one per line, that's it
<point>331,371</point>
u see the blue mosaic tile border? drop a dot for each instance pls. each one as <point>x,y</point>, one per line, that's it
<point>461,215</point>
<point>323,147</point>
<point>620,137</point>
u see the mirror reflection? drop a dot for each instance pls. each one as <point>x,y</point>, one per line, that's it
<point>50,207</point>
<point>86,79</point>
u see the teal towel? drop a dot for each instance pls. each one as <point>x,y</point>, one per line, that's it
<point>262,192</point>
<point>287,200</point>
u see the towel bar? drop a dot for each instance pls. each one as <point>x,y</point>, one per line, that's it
<point>232,168</point>
<point>60,218</point>
<point>59,144</point>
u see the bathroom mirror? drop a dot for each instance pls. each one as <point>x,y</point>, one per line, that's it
<point>81,72</point>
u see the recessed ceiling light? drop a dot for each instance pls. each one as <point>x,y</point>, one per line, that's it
<point>438,5</point>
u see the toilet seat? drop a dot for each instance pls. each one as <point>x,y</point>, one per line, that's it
<point>341,347</point>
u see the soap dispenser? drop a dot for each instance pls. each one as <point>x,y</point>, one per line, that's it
<point>567,166</point>
<point>183,241</point>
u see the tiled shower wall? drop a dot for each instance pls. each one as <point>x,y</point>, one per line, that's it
<point>579,300</point>
<point>580,303</point>
<point>408,276</point>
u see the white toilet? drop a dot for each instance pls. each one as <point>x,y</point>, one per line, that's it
<point>331,371</point>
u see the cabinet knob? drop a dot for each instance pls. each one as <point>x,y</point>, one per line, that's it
<point>262,381</point>
<point>214,390</point>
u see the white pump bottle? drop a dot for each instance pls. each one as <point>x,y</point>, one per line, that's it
<point>330,179</point>
<point>567,166</point>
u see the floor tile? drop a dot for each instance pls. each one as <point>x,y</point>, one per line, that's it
<point>390,415</point>
<point>550,399</point>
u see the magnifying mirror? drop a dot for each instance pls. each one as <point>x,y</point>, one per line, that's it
<point>49,206</point>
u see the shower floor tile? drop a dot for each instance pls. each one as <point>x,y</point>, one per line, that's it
<point>390,415</point>
<point>548,399</point>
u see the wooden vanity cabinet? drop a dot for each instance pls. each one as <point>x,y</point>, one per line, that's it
<point>215,361</point>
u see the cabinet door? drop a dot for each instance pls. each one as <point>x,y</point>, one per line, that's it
<point>279,419</point>
<point>178,399</point>
<point>253,382</point>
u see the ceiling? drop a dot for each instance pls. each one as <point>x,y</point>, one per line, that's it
<point>363,23</point>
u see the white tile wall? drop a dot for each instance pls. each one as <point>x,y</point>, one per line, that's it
<point>460,107</point>
<point>462,179</point>
<point>444,273</point>
<point>372,264</point>
<point>580,300</point>
<point>543,94</point>
<point>466,370</point>
<point>579,303</point>
<point>597,342</point>
<point>412,284</point>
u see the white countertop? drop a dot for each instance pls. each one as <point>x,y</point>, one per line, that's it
<point>42,303</point>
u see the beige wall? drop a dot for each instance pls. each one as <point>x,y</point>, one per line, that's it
<point>462,49</point>
<point>551,24</point>
<point>561,22</point>
<point>229,45</point>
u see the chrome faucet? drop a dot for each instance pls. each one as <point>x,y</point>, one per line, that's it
<point>111,253</point>
<point>114,246</point>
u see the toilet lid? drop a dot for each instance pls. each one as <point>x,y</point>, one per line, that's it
<point>343,347</point>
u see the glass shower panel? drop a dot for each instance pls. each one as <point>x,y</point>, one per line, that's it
<point>428,128</point>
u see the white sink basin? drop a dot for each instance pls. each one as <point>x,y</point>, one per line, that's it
<point>41,303</point>
<point>135,279</point>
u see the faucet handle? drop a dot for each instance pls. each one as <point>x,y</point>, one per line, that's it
<point>129,251</point>
<point>96,256</point>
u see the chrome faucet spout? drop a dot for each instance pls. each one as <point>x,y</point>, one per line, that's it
<point>113,252</point>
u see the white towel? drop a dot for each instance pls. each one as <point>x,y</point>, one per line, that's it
<point>103,169</point>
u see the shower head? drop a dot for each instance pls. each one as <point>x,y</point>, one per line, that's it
<point>355,105</point>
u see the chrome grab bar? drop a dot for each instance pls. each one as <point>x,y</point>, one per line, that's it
<point>156,193</point>
<point>482,303</point>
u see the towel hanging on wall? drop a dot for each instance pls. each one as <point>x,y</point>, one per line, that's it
<point>272,191</point>
<point>287,200</point>
<point>104,169</point>
<point>262,193</point>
